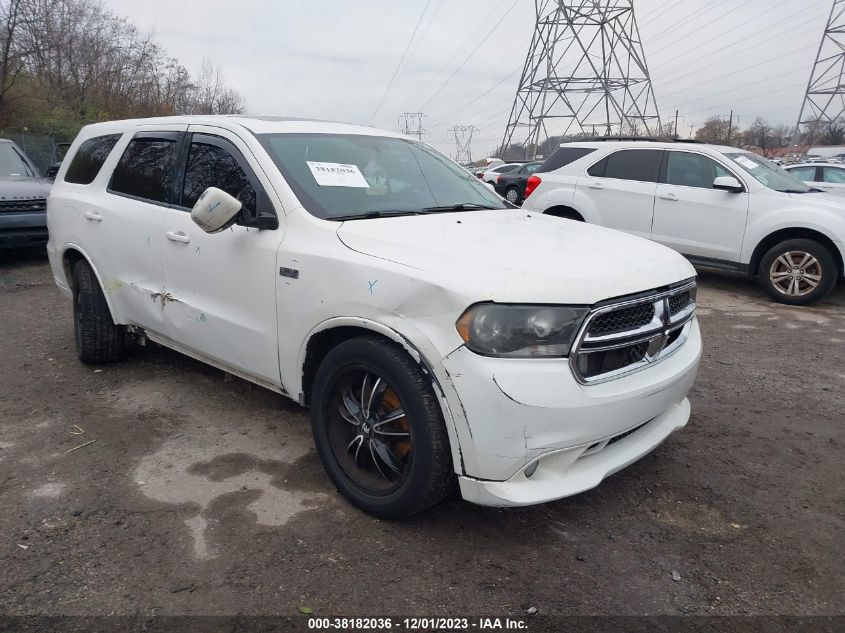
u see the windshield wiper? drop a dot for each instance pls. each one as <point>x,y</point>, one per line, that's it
<point>464,206</point>
<point>799,191</point>
<point>371,215</point>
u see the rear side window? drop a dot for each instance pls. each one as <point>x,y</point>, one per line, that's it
<point>89,158</point>
<point>213,166</point>
<point>563,157</point>
<point>833,175</point>
<point>804,173</point>
<point>642,165</point>
<point>145,169</point>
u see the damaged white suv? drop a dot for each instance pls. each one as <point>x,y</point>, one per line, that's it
<point>433,329</point>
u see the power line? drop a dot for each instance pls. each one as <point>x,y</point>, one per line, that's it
<point>396,71</point>
<point>468,57</point>
<point>699,11</point>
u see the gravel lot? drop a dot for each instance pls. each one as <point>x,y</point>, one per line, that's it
<point>202,494</point>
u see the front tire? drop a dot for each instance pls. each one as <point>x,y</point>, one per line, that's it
<point>798,272</point>
<point>378,429</point>
<point>98,339</point>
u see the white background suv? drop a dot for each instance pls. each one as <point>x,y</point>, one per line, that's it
<point>719,206</point>
<point>829,177</point>
<point>433,329</point>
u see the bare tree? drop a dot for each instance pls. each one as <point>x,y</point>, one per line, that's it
<point>211,95</point>
<point>715,130</point>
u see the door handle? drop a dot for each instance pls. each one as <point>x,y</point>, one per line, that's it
<point>93,216</point>
<point>669,196</point>
<point>177,236</point>
<point>596,185</point>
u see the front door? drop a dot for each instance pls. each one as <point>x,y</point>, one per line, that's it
<point>221,287</point>
<point>692,217</point>
<point>621,187</point>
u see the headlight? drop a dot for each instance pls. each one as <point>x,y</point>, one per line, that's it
<point>520,331</point>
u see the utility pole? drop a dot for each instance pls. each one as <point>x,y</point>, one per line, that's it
<point>677,136</point>
<point>824,100</point>
<point>463,142</point>
<point>691,126</point>
<point>412,124</point>
<point>730,126</point>
<point>585,68</point>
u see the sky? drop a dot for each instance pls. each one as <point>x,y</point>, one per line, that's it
<point>334,59</point>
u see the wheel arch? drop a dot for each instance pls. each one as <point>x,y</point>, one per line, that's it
<point>71,254</point>
<point>323,338</point>
<point>791,234</point>
<point>566,212</point>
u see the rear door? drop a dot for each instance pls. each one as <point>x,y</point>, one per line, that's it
<point>222,286</point>
<point>622,187</point>
<point>692,217</point>
<point>128,223</point>
<point>832,180</point>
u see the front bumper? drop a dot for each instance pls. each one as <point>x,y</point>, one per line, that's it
<point>23,230</point>
<point>526,412</point>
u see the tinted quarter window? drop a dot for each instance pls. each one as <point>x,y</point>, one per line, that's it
<point>89,159</point>
<point>693,170</point>
<point>833,175</point>
<point>641,165</point>
<point>213,166</point>
<point>145,169</point>
<point>564,156</point>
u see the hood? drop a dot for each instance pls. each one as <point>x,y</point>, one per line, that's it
<point>24,188</point>
<point>826,200</point>
<point>518,256</point>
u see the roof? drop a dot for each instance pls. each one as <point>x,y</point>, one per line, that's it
<point>255,124</point>
<point>817,163</point>
<point>649,142</point>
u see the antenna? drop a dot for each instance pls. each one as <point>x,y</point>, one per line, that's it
<point>585,70</point>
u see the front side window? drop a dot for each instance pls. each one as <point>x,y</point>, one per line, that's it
<point>89,158</point>
<point>213,166</point>
<point>767,173</point>
<point>833,175</point>
<point>642,165</point>
<point>145,169</point>
<point>804,173</point>
<point>348,176</point>
<point>693,170</point>
<point>11,163</point>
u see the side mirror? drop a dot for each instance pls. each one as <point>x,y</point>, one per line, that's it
<point>728,183</point>
<point>215,210</point>
<point>53,170</point>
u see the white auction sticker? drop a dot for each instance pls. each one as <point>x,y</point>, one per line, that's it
<point>337,175</point>
<point>746,162</point>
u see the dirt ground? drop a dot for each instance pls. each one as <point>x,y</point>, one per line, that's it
<point>202,494</point>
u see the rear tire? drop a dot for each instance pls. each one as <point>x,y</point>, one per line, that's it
<point>798,272</point>
<point>98,339</point>
<point>512,195</point>
<point>415,446</point>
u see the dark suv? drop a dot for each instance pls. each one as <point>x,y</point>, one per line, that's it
<point>23,200</point>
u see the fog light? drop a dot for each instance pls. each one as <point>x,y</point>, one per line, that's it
<point>529,472</point>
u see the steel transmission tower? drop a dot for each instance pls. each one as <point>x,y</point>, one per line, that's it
<point>412,124</point>
<point>463,142</point>
<point>824,102</point>
<point>585,74</point>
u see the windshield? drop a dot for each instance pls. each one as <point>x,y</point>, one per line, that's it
<point>345,175</point>
<point>769,174</point>
<point>11,163</point>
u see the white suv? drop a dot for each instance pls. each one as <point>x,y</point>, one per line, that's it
<point>720,206</point>
<point>432,328</point>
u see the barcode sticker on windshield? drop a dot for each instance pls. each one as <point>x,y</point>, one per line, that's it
<point>337,175</point>
<point>746,162</point>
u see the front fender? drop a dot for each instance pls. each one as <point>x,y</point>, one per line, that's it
<point>827,223</point>
<point>426,355</point>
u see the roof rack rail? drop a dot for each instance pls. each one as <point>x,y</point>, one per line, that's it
<point>653,139</point>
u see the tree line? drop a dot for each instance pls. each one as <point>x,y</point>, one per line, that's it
<point>65,63</point>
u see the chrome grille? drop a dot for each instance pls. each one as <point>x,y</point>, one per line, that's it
<point>627,336</point>
<point>624,319</point>
<point>16,205</point>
